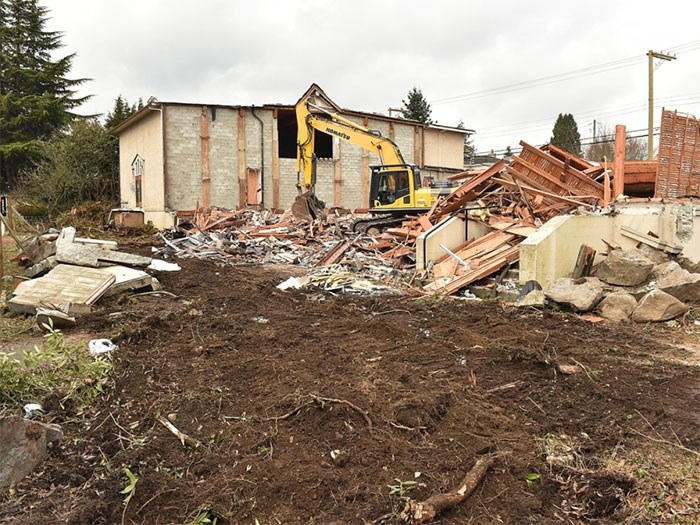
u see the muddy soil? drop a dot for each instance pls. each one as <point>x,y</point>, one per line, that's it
<point>308,407</point>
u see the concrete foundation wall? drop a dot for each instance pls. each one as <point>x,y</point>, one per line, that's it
<point>450,233</point>
<point>551,252</point>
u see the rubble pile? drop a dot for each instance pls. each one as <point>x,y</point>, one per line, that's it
<point>66,275</point>
<point>629,286</point>
<point>252,236</point>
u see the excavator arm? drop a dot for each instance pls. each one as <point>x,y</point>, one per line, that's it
<point>395,187</point>
<point>316,112</point>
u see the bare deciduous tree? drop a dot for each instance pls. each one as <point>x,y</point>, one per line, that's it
<point>603,147</point>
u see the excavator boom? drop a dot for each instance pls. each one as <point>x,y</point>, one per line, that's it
<point>395,187</point>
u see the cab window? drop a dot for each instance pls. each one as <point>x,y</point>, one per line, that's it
<point>393,185</point>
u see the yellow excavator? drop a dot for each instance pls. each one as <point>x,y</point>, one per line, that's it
<point>395,187</point>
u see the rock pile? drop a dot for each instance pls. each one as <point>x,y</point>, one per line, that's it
<point>630,285</point>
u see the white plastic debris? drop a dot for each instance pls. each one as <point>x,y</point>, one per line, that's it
<point>101,346</point>
<point>163,266</point>
<point>292,282</point>
<point>32,410</point>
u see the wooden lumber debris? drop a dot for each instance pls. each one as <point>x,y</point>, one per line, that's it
<point>584,262</point>
<point>513,200</point>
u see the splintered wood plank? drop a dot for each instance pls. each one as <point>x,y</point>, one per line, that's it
<point>488,268</point>
<point>464,193</point>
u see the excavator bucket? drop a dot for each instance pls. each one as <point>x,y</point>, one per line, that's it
<point>307,207</point>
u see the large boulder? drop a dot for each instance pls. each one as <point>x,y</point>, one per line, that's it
<point>23,445</point>
<point>581,295</point>
<point>617,307</point>
<point>625,268</point>
<point>682,285</point>
<point>654,255</point>
<point>663,269</point>
<point>657,306</point>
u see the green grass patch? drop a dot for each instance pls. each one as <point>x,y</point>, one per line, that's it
<point>55,368</point>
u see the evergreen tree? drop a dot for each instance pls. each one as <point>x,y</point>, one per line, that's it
<point>565,134</point>
<point>36,97</point>
<point>469,148</point>
<point>121,111</point>
<point>416,107</point>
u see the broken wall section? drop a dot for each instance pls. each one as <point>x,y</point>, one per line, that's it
<point>551,252</point>
<point>678,173</point>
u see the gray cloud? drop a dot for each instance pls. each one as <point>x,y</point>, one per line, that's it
<point>368,54</point>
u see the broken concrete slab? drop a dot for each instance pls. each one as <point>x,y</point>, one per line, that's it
<point>42,267</point>
<point>654,242</point>
<point>24,444</point>
<point>40,247</point>
<point>682,285</point>
<point>625,268</point>
<point>617,307</point>
<point>654,255</point>
<point>71,289</point>
<point>581,295</point>
<point>657,306</point>
<point>126,279</point>
<point>92,255</point>
<point>53,318</point>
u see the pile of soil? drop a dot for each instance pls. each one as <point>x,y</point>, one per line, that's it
<point>309,406</point>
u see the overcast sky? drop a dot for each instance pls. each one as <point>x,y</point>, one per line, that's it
<point>368,54</point>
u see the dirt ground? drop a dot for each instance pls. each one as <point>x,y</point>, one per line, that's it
<point>309,407</point>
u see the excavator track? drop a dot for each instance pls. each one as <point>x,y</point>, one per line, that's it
<point>375,225</point>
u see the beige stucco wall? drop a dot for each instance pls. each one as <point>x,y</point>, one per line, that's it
<point>444,148</point>
<point>552,251</point>
<point>144,139</point>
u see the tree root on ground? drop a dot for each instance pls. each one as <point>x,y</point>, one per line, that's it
<point>424,511</point>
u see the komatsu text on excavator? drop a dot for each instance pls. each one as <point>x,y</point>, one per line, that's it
<point>395,187</point>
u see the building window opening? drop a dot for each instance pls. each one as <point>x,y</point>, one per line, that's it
<point>137,169</point>
<point>287,135</point>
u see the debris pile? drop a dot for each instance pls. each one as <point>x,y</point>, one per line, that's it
<point>512,200</point>
<point>67,275</point>
<point>345,261</point>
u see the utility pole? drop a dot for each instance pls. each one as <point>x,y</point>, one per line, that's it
<point>650,134</point>
<point>395,110</point>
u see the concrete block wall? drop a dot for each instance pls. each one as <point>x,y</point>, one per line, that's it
<point>268,122</point>
<point>254,157</point>
<point>288,182</point>
<point>223,157</point>
<point>404,137</point>
<point>183,153</point>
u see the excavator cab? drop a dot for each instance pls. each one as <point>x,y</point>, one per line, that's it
<point>393,187</point>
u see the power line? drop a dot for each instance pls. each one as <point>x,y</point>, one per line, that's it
<point>587,141</point>
<point>561,77</point>
<point>542,124</point>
